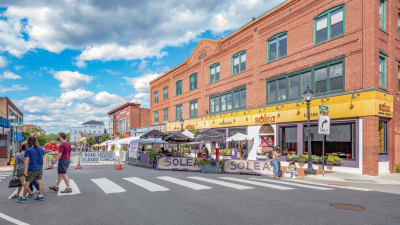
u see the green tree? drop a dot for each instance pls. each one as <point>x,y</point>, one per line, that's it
<point>105,137</point>
<point>118,134</point>
<point>90,141</point>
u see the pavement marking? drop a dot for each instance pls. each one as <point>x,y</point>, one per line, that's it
<point>327,185</point>
<point>258,183</point>
<point>14,193</point>
<point>150,186</point>
<point>108,186</point>
<point>184,183</point>
<point>12,220</point>
<point>222,183</point>
<point>294,184</point>
<point>75,189</point>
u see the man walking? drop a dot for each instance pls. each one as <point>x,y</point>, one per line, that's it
<point>63,158</point>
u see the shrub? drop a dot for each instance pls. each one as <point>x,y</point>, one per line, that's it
<point>292,157</point>
<point>398,169</point>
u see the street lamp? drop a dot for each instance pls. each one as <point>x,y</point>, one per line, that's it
<point>181,122</point>
<point>308,93</point>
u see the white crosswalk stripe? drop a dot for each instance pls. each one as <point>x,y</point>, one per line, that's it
<point>185,183</point>
<point>74,187</point>
<point>333,186</point>
<point>222,183</point>
<point>14,193</point>
<point>258,183</point>
<point>150,186</point>
<point>294,184</point>
<point>108,186</point>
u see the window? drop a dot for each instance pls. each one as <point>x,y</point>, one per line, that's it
<point>165,92</point>
<point>382,71</point>
<point>322,79</point>
<point>122,126</point>
<point>214,73</point>
<point>178,87</point>
<point>329,25</point>
<point>178,112</point>
<point>193,81</point>
<point>165,115</point>
<point>288,139</point>
<point>239,62</point>
<point>383,137</point>
<point>277,47</point>
<point>156,97</point>
<point>340,142</point>
<point>398,24</point>
<point>228,101</point>
<point>155,116</point>
<point>193,109</point>
<point>382,14</point>
<point>398,77</point>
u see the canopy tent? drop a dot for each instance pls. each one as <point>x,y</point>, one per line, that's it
<point>126,141</point>
<point>154,134</point>
<point>210,135</point>
<point>239,137</point>
<point>178,137</point>
<point>148,141</point>
<point>188,134</point>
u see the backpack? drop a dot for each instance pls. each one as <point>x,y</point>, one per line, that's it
<point>270,155</point>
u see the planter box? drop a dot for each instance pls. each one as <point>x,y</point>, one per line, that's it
<point>209,168</point>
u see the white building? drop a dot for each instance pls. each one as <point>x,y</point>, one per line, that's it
<point>90,128</point>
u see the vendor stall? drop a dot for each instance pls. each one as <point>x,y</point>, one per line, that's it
<point>241,140</point>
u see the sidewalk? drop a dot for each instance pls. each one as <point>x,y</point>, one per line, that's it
<point>357,178</point>
<point>6,168</point>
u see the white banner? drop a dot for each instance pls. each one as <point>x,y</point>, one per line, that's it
<point>248,167</point>
<point>178,163</point>
<point>133,150</point>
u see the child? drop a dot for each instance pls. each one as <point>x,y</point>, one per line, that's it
<point>292,169</point>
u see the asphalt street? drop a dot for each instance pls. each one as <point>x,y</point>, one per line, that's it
<point>138,195</point>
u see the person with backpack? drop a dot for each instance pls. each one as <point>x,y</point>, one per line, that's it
<point>33,168</point>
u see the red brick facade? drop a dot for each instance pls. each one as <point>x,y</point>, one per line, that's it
<point>133,115</point>
<point>360,47</point>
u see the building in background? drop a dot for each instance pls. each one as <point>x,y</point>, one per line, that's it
<point>252,81</point>
<point>91,128</point>
<point>36,129</point>
<point>127,117</point>
<point>10,129</point>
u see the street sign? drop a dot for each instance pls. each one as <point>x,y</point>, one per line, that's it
<point>324,124</point>
<point>16,124</point>
<point>323,108</point>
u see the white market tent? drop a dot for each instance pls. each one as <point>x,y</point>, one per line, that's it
<point>239,137</point>
<point>188,134</point>
<point>126,141</point>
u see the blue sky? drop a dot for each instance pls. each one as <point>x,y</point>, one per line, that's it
<point>65,62</point>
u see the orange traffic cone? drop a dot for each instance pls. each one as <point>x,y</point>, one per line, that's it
<point>78,165</point>
<point>119,167</point>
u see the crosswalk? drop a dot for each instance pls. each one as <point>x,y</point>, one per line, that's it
<point>4,175</point>
<point>194,183</point>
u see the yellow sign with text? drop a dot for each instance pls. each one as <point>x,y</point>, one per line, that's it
<point>371,103</point>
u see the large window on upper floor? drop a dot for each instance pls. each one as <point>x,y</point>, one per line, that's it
<point>382,70</point>
<point>398,77</point>
<point>239,62</point>
<point>165,92</point>
<point>228,101</point>
<point>382,14</point>
<point>193,106</point>
<point>156,97</point>
<point>323,79</point>
<point>165,115</point>
<point>178,112</point>
<point>214,73</point>
<point>178,87</point>
<point>398,25</point>
<point>277,47</point>
<point>329,25</point>
<point>193,81</point>
<point>155,116</point>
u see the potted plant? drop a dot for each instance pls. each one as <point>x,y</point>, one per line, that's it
<point>292,157</point>
<point>334,160</point>
<point>316,159</point>
<point>209,165</point>
<point>152,156</point>
<point>302,158</point>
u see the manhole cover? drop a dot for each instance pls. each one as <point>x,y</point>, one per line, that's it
<point>346,206</point>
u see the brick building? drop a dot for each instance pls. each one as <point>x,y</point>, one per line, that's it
<point>346,51</point>
<point>127,117</point>
<point>10,133</point>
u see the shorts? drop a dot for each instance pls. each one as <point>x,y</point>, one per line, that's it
<point>63,165</point>
<point>34,175</point>
<point>276,166</point>
<point>20,172</point>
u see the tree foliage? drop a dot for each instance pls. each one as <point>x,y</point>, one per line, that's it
<point>105,137</point>
<point>90,141</point>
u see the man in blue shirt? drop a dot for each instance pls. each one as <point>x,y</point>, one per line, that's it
<point>33,168</point>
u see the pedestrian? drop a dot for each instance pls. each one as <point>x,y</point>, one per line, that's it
<point>63,158</point>
<point>33,168</point>
<point>275,163</point>
<point>34,184</point>
<point>19,165</point>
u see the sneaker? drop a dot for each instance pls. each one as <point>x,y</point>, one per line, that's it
<point>30,195</point>
<point>294,177</point>
<point>67,190</point>
<point>54,188</point>
<point>39,198</point>
<point>15,196</point>
<point>20,199</point>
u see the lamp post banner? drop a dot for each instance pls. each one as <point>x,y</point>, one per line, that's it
<point>249,167</point>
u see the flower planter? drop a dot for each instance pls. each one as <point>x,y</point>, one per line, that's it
<point>209,168</point>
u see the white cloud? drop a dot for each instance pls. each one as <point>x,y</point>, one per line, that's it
<point>104,99</point>
<point>141,83</point>
<point>77,94</point>
<point>72,80</point>
<point>3,62</point>
<point>142,65</point>
<point>15,87</point>
<point>10,76</point>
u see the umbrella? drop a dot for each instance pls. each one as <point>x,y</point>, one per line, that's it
<point>188,133</point>
<point>239,137</point>
<point>178,137</point>
<point>210,135</point>
<point>154,134</point>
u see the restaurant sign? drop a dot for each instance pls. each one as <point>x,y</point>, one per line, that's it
<point>178,163</point>
<point>248,167</point>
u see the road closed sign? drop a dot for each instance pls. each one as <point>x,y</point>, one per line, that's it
<point>324,125</point>
<point>90,157</point>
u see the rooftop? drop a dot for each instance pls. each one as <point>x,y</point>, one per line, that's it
<point>93,122</point>
<point>123,106</point>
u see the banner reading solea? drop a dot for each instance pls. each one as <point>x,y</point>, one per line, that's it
<point>249,167</point>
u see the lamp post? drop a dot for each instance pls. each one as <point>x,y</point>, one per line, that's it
<point>181,122</point>
<point>308,93</point>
